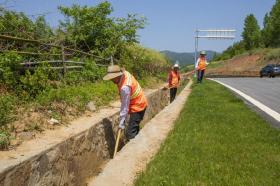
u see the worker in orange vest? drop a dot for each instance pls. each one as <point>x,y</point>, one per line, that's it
<point>174,81</point>
<point>200,66</point>
<point>133,100</point>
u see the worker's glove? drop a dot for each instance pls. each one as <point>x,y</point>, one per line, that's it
<point>122,125</point>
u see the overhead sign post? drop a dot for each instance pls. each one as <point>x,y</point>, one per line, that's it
<point>221,34</point>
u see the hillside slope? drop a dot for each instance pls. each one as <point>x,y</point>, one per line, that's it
<point>247,64</point>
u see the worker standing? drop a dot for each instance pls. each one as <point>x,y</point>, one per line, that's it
<point>200,66</point>
<point>174,81</point>
<point>133,100</point>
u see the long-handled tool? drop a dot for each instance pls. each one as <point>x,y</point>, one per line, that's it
<point>117,142</point>
<point>167,88</point>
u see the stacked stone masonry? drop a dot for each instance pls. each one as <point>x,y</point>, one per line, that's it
<point>74,160</point>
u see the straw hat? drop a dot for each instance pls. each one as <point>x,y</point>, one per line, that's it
<point>113,71</point>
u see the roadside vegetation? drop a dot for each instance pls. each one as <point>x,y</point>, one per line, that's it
<point>257,48</point>
<point>30,98</point>
<point>255,39</point>
<point>216,140</point>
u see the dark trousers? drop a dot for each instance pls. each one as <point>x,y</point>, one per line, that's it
<point>200,74</point>
<point>173,92</point>
<point>134,124</point>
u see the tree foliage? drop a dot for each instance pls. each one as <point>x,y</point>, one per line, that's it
<point>19,25</point>
<point>143,62</point>
<point>253,37</point>
<point>41,29</point>
<point>271,31</point>
<point>236,49</point>
<point>89,29</point>
<point>251,34</point>
<point>92,29</point>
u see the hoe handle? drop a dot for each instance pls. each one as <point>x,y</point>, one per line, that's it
<point>117,142</point>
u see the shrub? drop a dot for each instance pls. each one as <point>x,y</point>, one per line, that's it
<point>143,62</point>
<point>79,96</point>
<point>10,65</point>
<point>37,82</point>
<point>6,109</point>
<point>90,73</point>
<point>4,140</point>
<point>273,54</point>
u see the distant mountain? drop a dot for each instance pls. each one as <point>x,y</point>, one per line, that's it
<point>185,58</point>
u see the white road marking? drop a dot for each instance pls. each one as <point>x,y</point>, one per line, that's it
<point>258,104</point>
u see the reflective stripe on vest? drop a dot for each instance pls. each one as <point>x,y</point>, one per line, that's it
<point>136,92</point>
<point>202,64</point>
<point>138,101</point>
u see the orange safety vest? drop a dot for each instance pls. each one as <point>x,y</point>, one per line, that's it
<point>174,79</point>
<point>202,64</point>
<point>138,101</point>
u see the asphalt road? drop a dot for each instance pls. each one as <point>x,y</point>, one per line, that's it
<point>264,90</point>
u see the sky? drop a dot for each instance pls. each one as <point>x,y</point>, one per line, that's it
<point>171,24</point>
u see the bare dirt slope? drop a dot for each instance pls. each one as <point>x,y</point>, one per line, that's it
<point>247,65</point>
<point>133,158</point>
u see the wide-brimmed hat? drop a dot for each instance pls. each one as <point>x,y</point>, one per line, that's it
<point>113,71</point>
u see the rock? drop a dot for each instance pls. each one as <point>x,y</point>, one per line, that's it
<point>53,121</point>
<point>91,106</point>
<point>88,113</point>
<point>70,110</point>
<point>26,135</point>
<point>15,142</point>
<point>19,127</point>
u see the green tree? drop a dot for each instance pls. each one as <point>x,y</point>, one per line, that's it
<point>236,49</point>
<point>91,29</point>
<point>42,29</point>
<point>9,68</point>
<point>271,31</point>
<point>251,33</point>
<point>19,25</point>
<point>266,31</point>
<point>15,24</point>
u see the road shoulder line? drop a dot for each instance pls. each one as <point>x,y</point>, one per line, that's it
<point>258,104</point>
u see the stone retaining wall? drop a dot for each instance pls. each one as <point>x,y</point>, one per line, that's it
<point>73,160</point>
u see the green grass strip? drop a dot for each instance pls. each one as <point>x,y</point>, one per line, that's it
<point>217,140</point>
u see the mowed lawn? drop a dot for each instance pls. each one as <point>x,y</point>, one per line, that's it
<point>217,140</point>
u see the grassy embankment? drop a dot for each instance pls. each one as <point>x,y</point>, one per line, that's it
<point>30,100</point>
<point>217,140</point>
